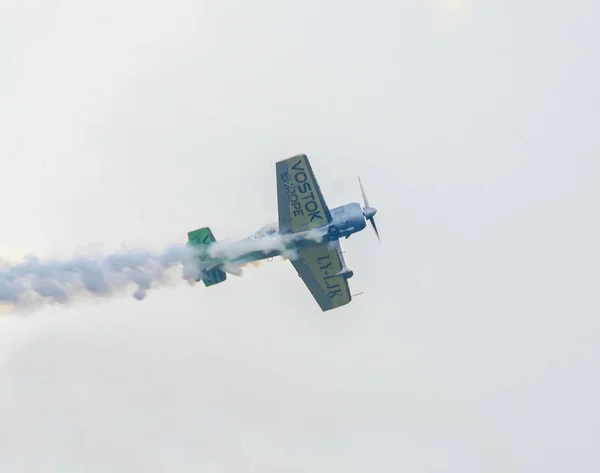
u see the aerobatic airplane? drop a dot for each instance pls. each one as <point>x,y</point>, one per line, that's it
<point>310,229</point>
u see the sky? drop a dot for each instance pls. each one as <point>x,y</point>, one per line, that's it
<point>473,127</point>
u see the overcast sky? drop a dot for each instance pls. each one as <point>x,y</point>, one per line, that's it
<point>474,128</point>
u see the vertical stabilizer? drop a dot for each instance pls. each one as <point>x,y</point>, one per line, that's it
<point>204,237</point>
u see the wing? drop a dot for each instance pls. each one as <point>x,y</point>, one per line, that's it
<point>319,267</point>
<point>300,202</point>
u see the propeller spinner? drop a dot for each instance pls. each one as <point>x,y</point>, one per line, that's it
<point>368,211</point>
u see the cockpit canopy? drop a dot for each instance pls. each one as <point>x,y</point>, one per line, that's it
<point>267,230</point>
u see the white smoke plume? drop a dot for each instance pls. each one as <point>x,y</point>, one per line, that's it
<point>34,281</point>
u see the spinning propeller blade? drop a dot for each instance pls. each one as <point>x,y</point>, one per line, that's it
<point>375,228</point>
<point>368,211</point>
<point>366,201</point>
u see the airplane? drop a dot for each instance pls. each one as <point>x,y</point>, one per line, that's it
<point>311,232</point>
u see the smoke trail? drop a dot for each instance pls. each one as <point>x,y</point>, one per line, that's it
<point>35,281</point>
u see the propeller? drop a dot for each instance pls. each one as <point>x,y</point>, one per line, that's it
<point>368,211</point>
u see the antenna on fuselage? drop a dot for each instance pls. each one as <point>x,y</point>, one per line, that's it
<point>358,294</point>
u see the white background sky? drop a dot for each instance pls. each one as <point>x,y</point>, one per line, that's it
<point>474,126</point>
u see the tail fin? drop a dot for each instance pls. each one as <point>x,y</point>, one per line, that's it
<point>204,237</point>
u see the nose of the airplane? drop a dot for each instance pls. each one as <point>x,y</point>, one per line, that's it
<point>369,212</point>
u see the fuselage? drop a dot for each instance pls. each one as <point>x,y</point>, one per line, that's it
<point>346,220</point>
